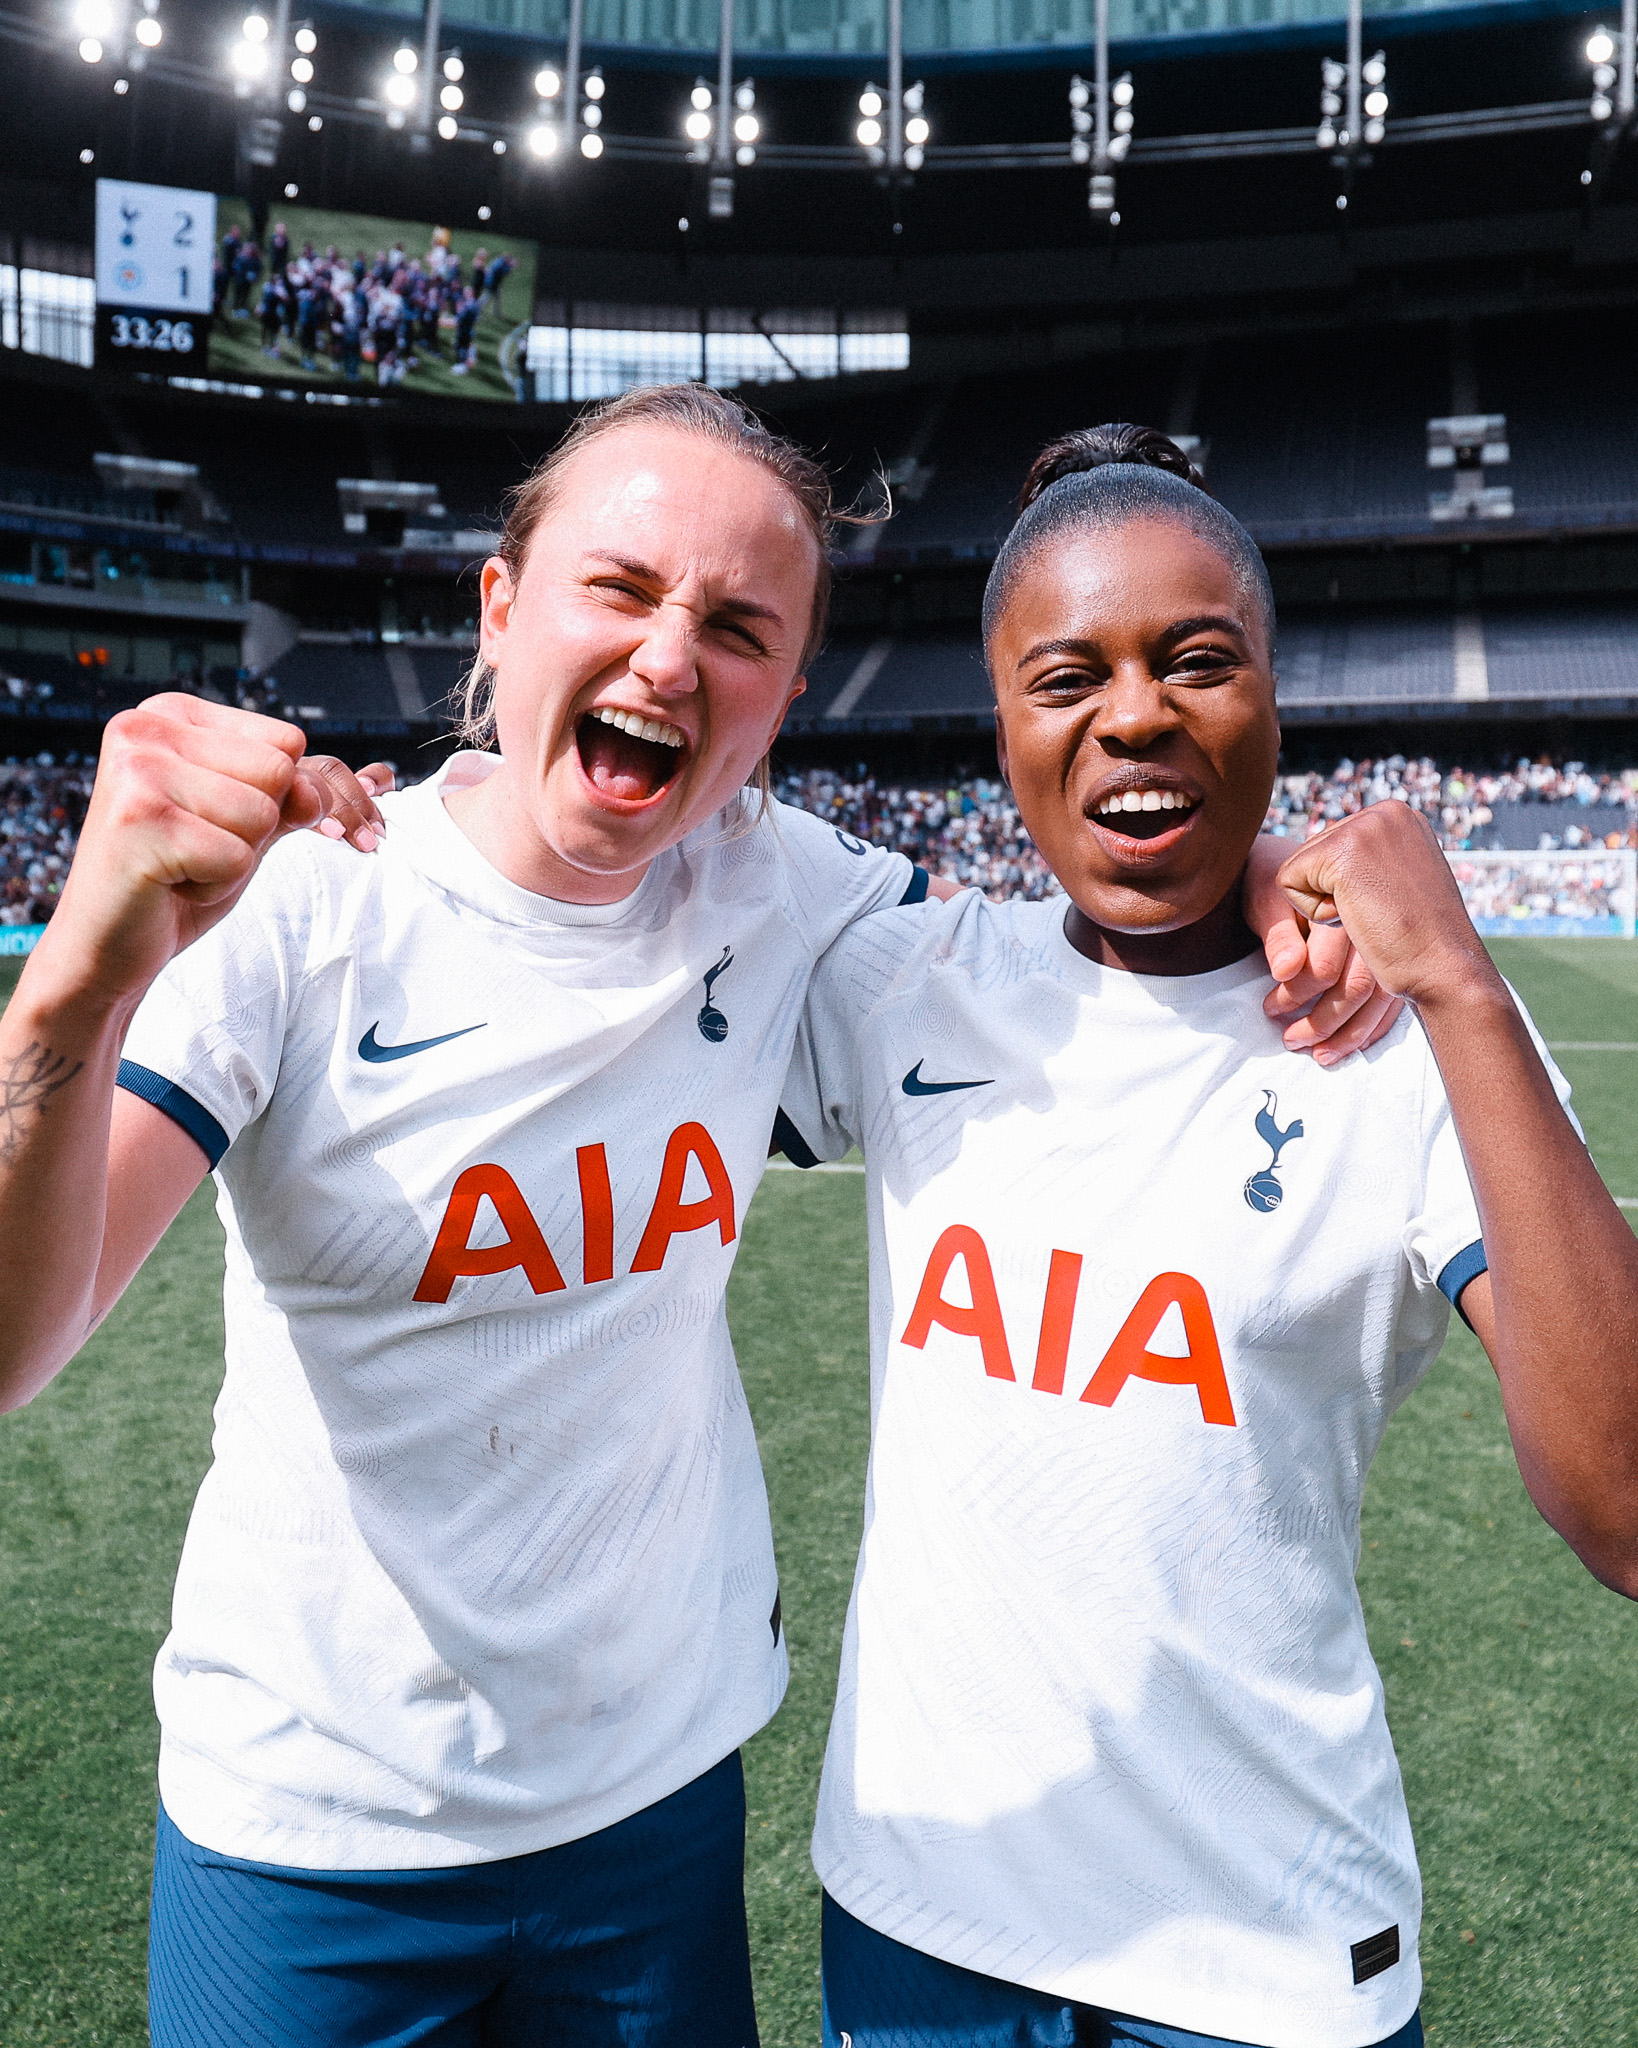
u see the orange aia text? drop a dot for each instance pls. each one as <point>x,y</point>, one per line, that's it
<point>1128,1357</point>
<point>454,1254</point>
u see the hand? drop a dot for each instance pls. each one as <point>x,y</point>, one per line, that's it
<point>1383,877</point>
<point>1326,996</point>
<point>189,796</point>
<point>351,812</point>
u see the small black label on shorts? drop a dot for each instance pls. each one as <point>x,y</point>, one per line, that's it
<point>1372,1957</point>
<point>773,1623</point>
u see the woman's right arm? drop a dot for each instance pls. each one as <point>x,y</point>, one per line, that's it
<point>189,796</point>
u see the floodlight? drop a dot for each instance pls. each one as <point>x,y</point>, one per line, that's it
<point>870,102</point>
<point>700,98</point>
<point>1342,202</point>
<point>745,96</point>
<point>1123,121</point>
<point>914,157</point>
<point>869,133</point>
<point>292,191</point>
<point>547,83</point>
<point>314,123</point>
<point>1376,105</point>
<point>916,130</point>
<point>1327,136</point>
<point>483,213</point>
<point>594,85</point>
<point>400,91</point>
<point>542,140</point>
<point>1375,130</point>
<point>745,156</point>
<point>1604,77</point>
<point>88,156</point>
<point>248,59</point>
<point>296,100</point>
<point>747,128</point>
<point>915,97</point>
<point>1602,106</point>
<point>1586,177</point>
<point>454,70</point>
<point>301,70</point>
<point>1333,76</point>
<point>591,145</point>
<point>306,41</point>
<point>449,127</point>
<point>91,49</point>
<point>1375,69</point>
<point>122,86</point>
<point>149,33</point>
<point>1600,46</point>
<point>255,28</point>
<point>498,146</point>
<point>592,116</point>
<point>1121,91</point>
<point>697,127</point>
<point>452,99</point>
<point>94,18</point>
<point>1330,104</point>
<point>1080,93</point>
<point>404,59</point>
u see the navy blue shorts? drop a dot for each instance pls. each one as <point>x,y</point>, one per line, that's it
<point>631,1938</point>
<point>880,1994</point>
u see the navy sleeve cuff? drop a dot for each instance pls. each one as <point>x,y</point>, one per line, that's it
<point>789,1140</point>
<point>917,891</point>
<point>1458,1272</point>
<point>178,1105</point>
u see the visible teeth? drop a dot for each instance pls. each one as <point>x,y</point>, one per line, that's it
<point>1143,800</point>
<point>641,728</point>
<point>1151,800</point>
<point>1131,801</point>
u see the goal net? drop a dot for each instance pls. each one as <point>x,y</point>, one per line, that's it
<point>1566,895</point>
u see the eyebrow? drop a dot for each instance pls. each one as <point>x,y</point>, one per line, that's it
<point>1179,629</point>
<point>738,607</point>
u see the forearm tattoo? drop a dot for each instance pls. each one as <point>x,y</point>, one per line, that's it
<point>28,1080</point>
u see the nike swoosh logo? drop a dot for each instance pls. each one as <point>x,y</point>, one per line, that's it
<point>913,1084</point>
<point>376,1054</point>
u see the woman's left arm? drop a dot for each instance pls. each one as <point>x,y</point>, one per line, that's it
<point>1558,1309</point>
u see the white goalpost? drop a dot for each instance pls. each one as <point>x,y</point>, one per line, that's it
<point>1564,895</point>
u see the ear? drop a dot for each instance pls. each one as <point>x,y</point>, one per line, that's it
<point>1001,746</point>
<point>495,607</point>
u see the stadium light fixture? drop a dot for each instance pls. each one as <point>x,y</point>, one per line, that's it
<point>292,191</point>
<point>483,213</point>
<point>255,28</point>
<point>301,70</point>
<point>306,39</point>
<point>249,61</point>
<point>149,32</point>
<point>399,91</point>
<point>90,50</point>
<point>448,127</point>
<point>296,100</point>
<point>868,132</point>
<point>315,123</point>
<point>454,69</point>
<point>451,99</point>
<point>548,84</point>
<point>1600,46</point>
<point>122,86</point>
<point>596,85</point>
<point>917,128</point>
<point>746,125</point>
<point>88,156</point>
<point>1611,57</point>
<point>406,60</point>
<point>542,140</point>
<point>699,121</point>
<point>591,146</point>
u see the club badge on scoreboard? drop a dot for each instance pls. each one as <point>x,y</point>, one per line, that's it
<point>156,247</point>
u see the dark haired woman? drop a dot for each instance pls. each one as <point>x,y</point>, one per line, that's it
<point>1109,1762</point>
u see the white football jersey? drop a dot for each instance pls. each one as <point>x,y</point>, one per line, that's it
<point>482,1563</point>
<point>1145,1290</point>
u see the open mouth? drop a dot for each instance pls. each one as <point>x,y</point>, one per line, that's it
<point>1145,813</point>
<point>627,757</point>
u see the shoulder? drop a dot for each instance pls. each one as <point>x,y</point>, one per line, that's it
<point>881,959</point>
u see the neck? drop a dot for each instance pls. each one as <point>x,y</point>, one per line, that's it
<point>489,814</point>
<point>1218,939</point>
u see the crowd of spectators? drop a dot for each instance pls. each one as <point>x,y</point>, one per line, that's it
<point>389,314</point>
<point>968,828</point>
<point>1460,803</point>
<point>42,806</point>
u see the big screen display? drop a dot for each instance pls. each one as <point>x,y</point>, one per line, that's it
<point>367,303</point>
<point>155,263</point>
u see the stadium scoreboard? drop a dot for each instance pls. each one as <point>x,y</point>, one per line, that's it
<point>156,249</point>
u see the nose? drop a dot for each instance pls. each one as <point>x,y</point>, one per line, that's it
<point>1134,709</point>
<point>667,656</point>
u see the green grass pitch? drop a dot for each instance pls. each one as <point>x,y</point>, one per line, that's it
<point>1510,1675</point>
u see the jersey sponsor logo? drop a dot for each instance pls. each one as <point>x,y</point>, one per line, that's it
<point>1169,1298</point>
<point>913,1084</point>
<point>713,1024</point>
<point>376,1054</point>
<point>1263,1190</point>
<point>454,1256</point>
